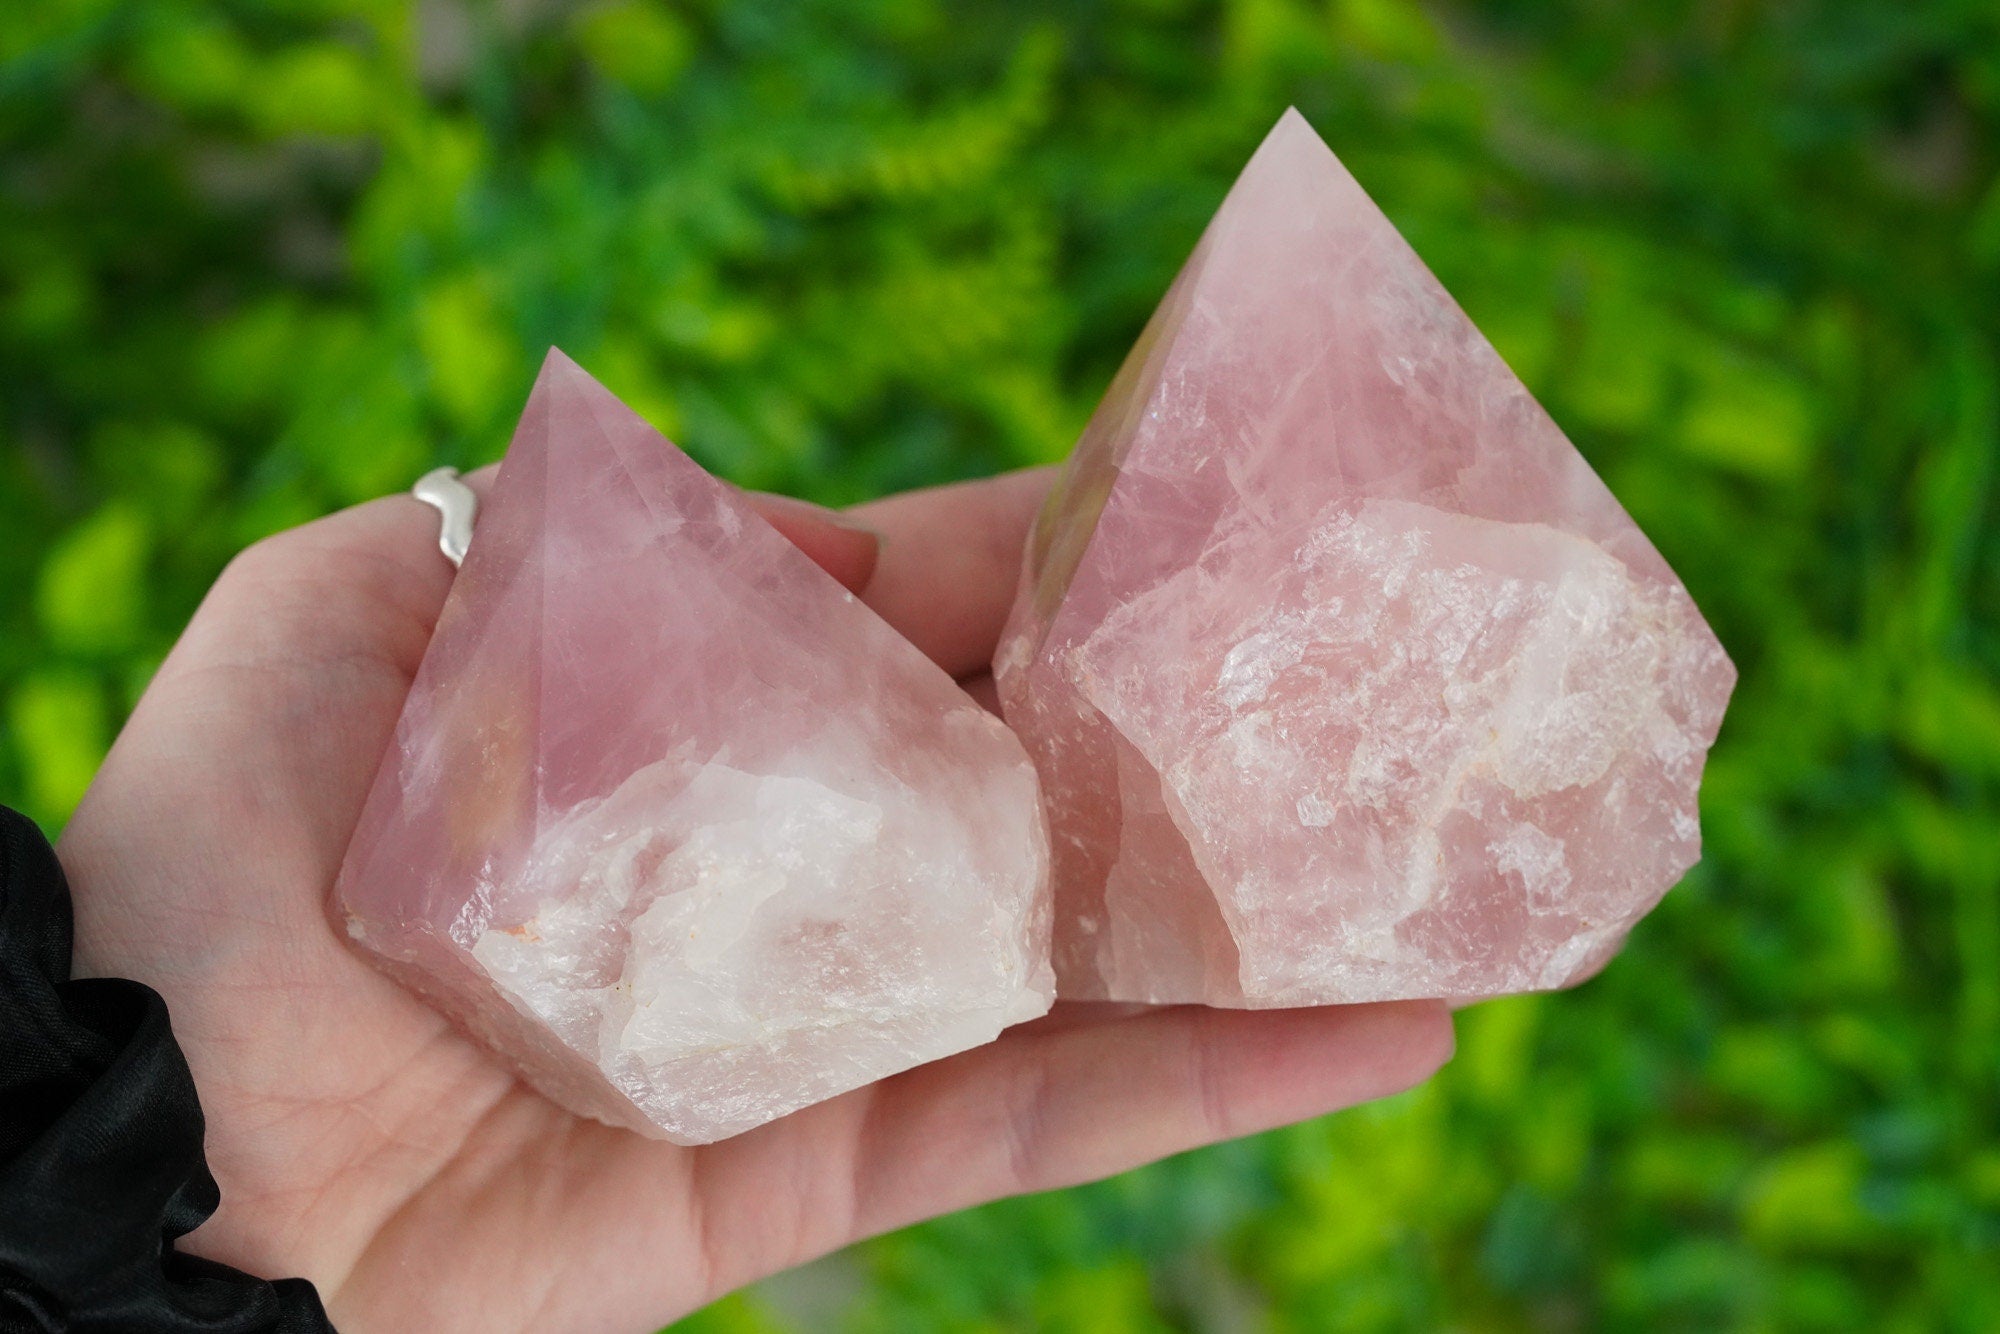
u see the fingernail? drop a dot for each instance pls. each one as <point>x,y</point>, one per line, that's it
<point>807,509</point>
<point>838,544</point>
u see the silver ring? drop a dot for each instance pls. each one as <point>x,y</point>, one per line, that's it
<point>456,505</point>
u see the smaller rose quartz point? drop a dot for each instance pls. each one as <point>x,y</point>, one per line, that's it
<point>672,821</point>
<point>1347,678</point>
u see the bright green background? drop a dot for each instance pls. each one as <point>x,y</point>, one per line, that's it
<point>261,259</point>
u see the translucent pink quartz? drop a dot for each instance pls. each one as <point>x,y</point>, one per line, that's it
<point>1346,677</point>
<point>676,824</point>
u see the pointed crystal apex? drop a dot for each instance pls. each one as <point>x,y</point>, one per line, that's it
<point>674,822</point>
<point>1346,676</point>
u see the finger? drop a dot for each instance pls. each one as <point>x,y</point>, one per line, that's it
<point>1052,1105</point>
<point>390,544</point>
<point>951,557</point>
<point>1036,1111</point>
<point>845,549</point>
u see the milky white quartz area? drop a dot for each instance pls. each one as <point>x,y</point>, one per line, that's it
<point>672,821</point>
<point>1347,678</point>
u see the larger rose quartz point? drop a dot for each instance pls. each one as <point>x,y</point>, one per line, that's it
<point>672,821</point>
<point>1347,678</point>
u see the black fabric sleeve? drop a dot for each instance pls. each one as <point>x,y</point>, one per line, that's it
<point>101,1165</point>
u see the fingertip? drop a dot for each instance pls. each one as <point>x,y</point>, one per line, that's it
<point>1444,1033</point>
<point>845,549</point>
<point>1289,1065</point>
<point>1423,1040</point>
<point>953,560</point>
<point>1407,1041</point>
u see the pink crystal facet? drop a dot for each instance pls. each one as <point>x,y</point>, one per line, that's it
<point>1346,677</point>
<point>673,821</point>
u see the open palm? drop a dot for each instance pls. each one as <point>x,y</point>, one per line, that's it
<point>361,1142</point>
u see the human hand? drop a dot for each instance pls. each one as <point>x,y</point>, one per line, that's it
<point>361,1142</point>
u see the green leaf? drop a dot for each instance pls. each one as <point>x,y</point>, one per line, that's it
<point>1496,1046</point>
<point>1748,415</point>
<point>91,597</point>
<point>638,43</point>
<point>738,1313</point>
<point>1810,1198</point>
<point>325,88</point>
<point>61,730</point>
<point>468,350</point>
<point>195,63</point>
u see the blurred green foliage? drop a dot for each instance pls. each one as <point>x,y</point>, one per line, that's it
<point>259,258</point>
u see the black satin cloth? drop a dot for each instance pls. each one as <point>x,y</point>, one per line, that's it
<point>101,1165</point>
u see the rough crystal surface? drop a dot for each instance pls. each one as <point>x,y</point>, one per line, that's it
<point>1346,676</point>
<point>673,821</point>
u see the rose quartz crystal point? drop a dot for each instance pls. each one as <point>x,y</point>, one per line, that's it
<point>1347,678</point>
<point>676,824</point>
